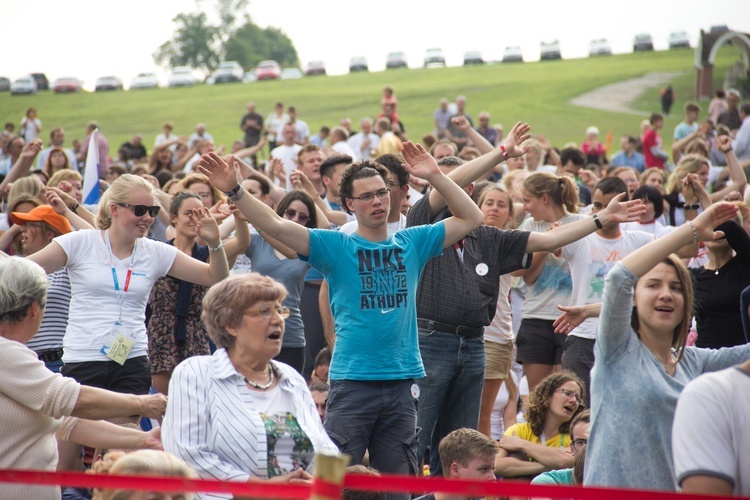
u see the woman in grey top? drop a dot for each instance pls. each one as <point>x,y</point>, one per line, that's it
<point>642,363</point>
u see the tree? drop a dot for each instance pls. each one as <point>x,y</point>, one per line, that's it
<point>200,45</point>
<point>195,44</point>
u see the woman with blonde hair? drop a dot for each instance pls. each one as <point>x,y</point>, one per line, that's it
<point>550,201</point>
<point>111,273</point>
<point>653,176</point>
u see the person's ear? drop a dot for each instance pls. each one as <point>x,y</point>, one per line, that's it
<point>454,470</point>
<point>350,205</point>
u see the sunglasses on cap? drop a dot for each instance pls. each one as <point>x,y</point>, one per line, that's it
<point>140,210</point>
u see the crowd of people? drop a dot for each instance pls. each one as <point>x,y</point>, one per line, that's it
<point>448,306</point>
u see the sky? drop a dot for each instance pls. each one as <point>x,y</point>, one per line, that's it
<point>88,39</point>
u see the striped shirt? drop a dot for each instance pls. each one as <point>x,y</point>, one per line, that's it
<point>213,421</point>
<point>55,320</point>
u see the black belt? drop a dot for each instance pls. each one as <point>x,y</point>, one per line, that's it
<point>460,330</point>
<point>50,355</point>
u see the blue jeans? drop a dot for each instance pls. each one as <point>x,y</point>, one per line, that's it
<point>451,393</point>
<point>379,416</point>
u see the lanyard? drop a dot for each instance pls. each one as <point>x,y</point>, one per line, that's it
<point>562,440</point>
<point>120,294</point>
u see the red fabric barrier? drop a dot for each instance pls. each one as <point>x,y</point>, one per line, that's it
<point>357,482</point>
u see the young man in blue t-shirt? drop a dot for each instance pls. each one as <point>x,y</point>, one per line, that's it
<point>372,401</point>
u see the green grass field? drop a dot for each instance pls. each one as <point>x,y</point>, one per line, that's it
<point>537,92</point>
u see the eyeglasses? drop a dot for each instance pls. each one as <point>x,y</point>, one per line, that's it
<point>140,210</point>
<point>204,196</point>
<point>578,444</point>
<point>268,311</point>
<point>568,394</point>
<point>368,197</point>
<point>301,217</point>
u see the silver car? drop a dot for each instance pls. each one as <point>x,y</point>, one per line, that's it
<point>24,85</point>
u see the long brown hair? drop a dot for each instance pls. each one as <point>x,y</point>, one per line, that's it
<point>539,401</point>
<point>562,190</point>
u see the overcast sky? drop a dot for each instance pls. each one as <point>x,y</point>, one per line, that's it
<point>88,39</point>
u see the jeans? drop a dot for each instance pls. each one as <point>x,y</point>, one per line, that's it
<point>379,416</point>
<point>451,393</point>
<point>578,357</point>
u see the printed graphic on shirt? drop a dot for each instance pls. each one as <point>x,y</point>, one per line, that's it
<point>382,276</point>
<point>289,448</point>
<point>598,272</point>
<point>554,277</point>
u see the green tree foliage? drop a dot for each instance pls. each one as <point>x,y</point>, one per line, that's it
<point>251,44</point>
<point>198,44</point>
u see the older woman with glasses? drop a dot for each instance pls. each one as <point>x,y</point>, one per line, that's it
<point>238,415</point>
<point>543,442</point>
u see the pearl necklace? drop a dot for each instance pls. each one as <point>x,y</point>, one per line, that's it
<point>262,387</point>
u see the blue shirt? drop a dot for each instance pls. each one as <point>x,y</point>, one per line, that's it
<point>372,289</point>
<point>636,160</point>
<point>683,130</point>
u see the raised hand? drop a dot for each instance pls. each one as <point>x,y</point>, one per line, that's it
<point>419,162</point>
<point>571,317</point>
<point>623,211</point>
<point>32,149</point>
<point>219,172</point>
<point>724,143</point>
<point>694,187</point>
<point>300,179</point>
<point>219,211</point>
<point>54,200</point>
<point>65,197</point>
<point>206,226</point>
<point>588,178</point>
<point>512,143</point>
<point>461,123</point>
<point>713,216</point>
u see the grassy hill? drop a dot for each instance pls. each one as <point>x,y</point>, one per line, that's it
<point>537,92</point>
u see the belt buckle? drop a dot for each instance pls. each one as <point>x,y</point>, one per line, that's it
<point>461,330</point>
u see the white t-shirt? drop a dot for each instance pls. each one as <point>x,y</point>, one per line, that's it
<point>343,148</point>
<point>554,286</point>
<point>355,142</point>
<point>94,308</point>
<point>497,421</point>
<point>590,260</point>
<point>30,128</point>
<point>288,156</point>
<point>352,226</point>
<point>710,435</point>
<point>657,228</point>
<point>500,330</point>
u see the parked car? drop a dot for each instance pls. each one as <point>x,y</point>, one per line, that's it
<point>228,71</point>
<point>145,81</point>
<point>67,84</point>
<point>512,54</point>
<point>719,28</point>
<point>291,73</point>
<point>358,63</point>
<point>41,81</point>
<point>315,68</point>
<point>549,50</point>
<point>473,57</point>
<point>642,42</point>
<point>434,58</point>
<point>108,83</point>
<point>250,76</point>
<point>181,76</point>
<point>396,60</point>
<point>4,84</point>
<point>599,47</point>
<point>268,70</point>
<point>24,85</point>
<point>678,40</point>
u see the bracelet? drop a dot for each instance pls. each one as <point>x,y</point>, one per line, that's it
<point>694,206</point>
<point>74,208</point>
<point>597,221</point>
<point>236,193</point>
<point>221,245</point>
<point>505,153</point>
<point>692,228</point>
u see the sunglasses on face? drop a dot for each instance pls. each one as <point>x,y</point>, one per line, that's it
<point>141,210</point>
<point>291,213</point>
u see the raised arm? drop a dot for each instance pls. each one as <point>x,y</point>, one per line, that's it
<point>736,173</point>
<point>466,213</point>
<point>701,228</point>
<point>61,208</point>
<point>471,171</point>
<point>258,213</point>
<point>23,164</point>
<point>483,145</point>
<point>189,269</point>
<point>617,211</point>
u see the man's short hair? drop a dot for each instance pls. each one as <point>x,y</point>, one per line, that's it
<point>307,148</point>
<point>462,446</point>
<point>446,142</point>
<point>572,154</point>
<point>330,164</point>
<point>341,132</point>
<point>691,107</point>
<point>361,170</point>
<point>584,416</point>
<point>609,185</point>
<point>394,164</point>
<point>348,494</point>
<point>322,358</point>
<point>383,124</point>
<point>655,117</point>
<point>631,139</point>
<point>745,108</point>
<point>734,92</point>
<point>450,161</point>
<point>318,387</point>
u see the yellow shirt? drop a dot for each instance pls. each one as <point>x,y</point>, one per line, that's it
<point>523,431</point>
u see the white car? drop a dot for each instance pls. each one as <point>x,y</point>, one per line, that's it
<point>145,81</point>
<point>229,71</point>
<point>181,76</point>
<point>549,50</point>
<point>24,85</point>
<point>599,47</point>
<point>512,54</point>
<point>434,58</point>
<point>396,60</point>
<point>291,73</point>
<point>108,83</point>
<point>678,40</point>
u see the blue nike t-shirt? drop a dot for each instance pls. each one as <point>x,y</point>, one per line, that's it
<point>372,288</point>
